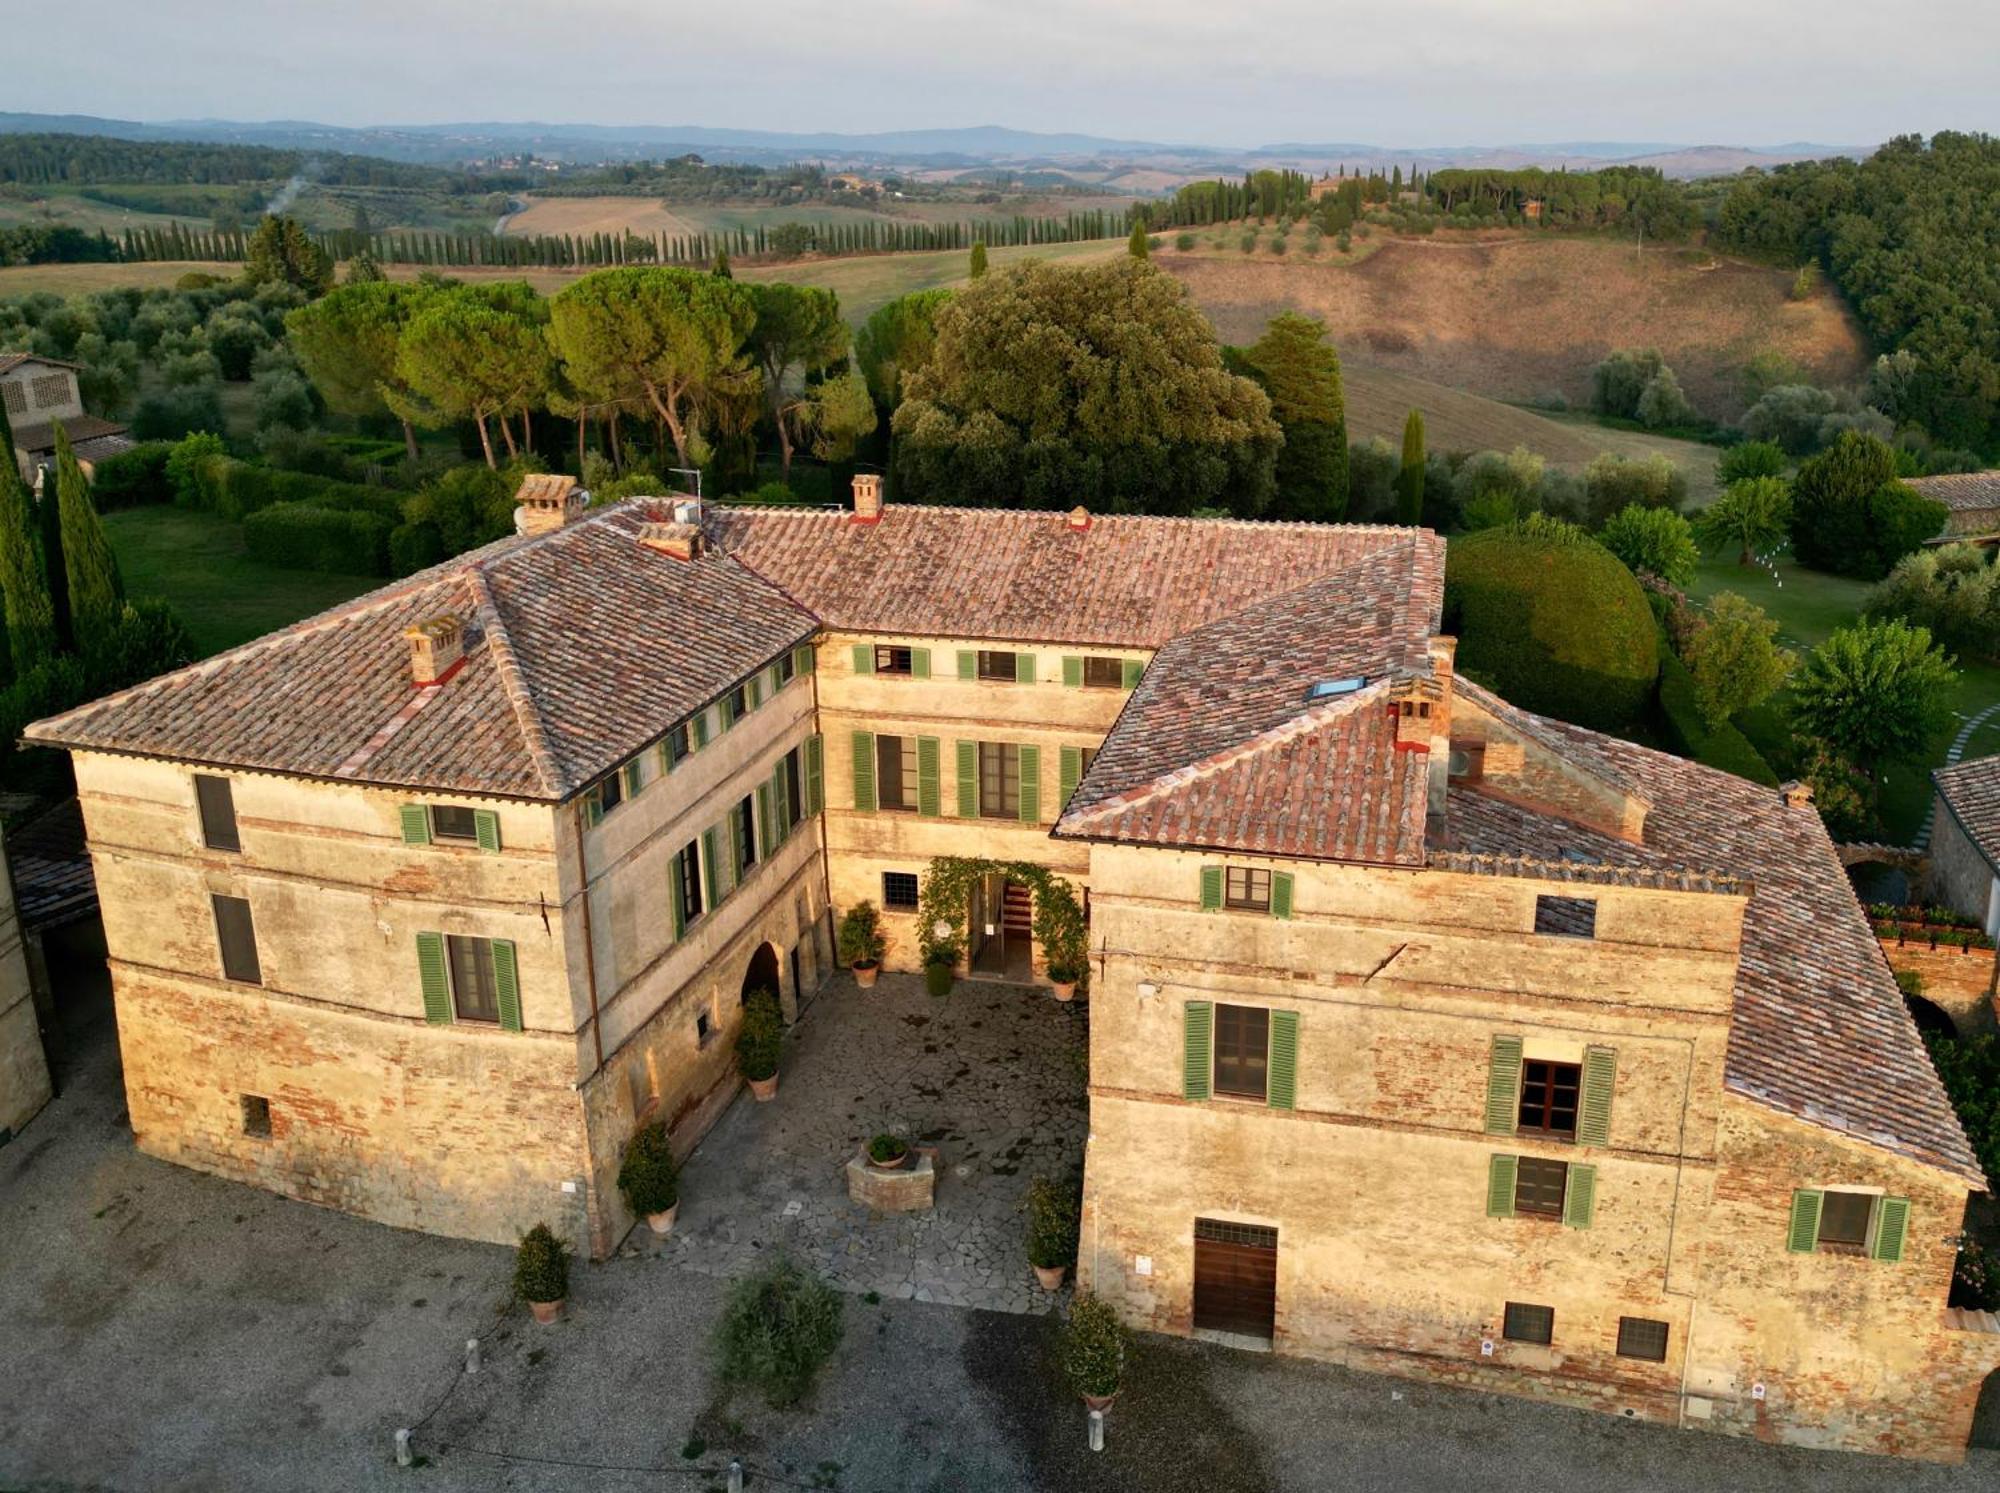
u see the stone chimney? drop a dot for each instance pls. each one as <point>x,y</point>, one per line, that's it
<point>867,498</point>
<point>1797,795</point>
<point>437,648</point>
<point>1079,520</point>
<point>546,501</point>
<point>681,541</point>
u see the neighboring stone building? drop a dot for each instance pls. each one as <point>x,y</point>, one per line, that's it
<point>40,393</point>
<point>1427,1034</point>
<point>1973,501</point>
<point>24,1068</point>
<point>1965,840</point>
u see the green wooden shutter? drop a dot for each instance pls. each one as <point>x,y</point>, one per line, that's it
<point>968,664</point>
<point>968,780</point>
<point>416,824</point>
<point>1072,670</point>
<point>1500,1174</point>
<point>635,777</point>
<point>507,984</point>
<point>765,839</point>
<point>928,795</point>
<point>698,729</point>
<point>1803,1236</point>
<point>920,663</point>
<point>1031,785</point>
<point>711,854</point>
<point>1024,668</point>
<point>1503,1087</point>
<point>593,808</point>
<point>726,710</point>
<point>431,976</point>
<point>864,770</point>
<point>1211,888</point>
<point>1132,670</point>
<point>1281,1087</point>
<point>486,829</point>
<point>1580,1196</point>
<point>1892,1227</point>
<point>1197,1045</point>
<point>677,895</point>
<point>814,784</point>
<point>802,658</point>
<point>781,805</point>
<point>734,822</point>
<point>1593,1110</point>
<point>1281,894</point>
<point>1069,769</point>
<point>864,658</point>
<point>753,692</point>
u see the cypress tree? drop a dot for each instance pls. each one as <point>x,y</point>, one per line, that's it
<point>1410,480</point>
<point>1136,245</point>
<point>721,269</point>
<point>978,259</point>
<point>31,617</point>
<point>96,595</point>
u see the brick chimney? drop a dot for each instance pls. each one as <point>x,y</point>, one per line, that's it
<point>1797,795</point>
<point>681,541</point>
<point>1079,520</point>
<point>546,501</point>
<point>437,648</point>
<point>867,498</point>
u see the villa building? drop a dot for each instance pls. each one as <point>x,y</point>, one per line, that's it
<point>39,394</point>
<point>1427,1035</point>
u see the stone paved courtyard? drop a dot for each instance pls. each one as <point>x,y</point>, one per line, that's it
<point>992,1075</point>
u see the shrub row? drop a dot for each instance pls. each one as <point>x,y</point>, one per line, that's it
<point>1724,747</point>
<point>133,478</point>
<point>352,540</point>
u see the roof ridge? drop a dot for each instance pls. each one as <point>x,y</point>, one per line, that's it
<point>1232,521</point>
<point>514,683</point>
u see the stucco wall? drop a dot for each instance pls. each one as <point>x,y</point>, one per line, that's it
<point>1960,877</point>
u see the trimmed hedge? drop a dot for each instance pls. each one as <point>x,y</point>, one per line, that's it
<point>132,478</point>
<point>1724,747</point>
<point>243,489</point>
<point>305,536</point>
<point>1551,620</point>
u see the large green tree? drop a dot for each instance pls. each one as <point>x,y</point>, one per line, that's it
<point>1851,516</point>
<point>896,341</point>
<point>30,614</point>
<point>1877,692</point>
<point>280,250</point>
<point>347,342</point>
<point>798,332</point>
<point>1753,513</point>
<point>1734,657</point>
<point>1410,476</point>
<point>1298,368</point>
<point>96,594</point>
<point>468,359</point>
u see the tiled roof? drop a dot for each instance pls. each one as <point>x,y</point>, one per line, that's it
<point>10,361</point>
<point>1960,491</point>
<point>1127,581</point>
<point>1971,793</point>
<point>1820,1030</point>
<point>581,646</point>
<point>1220,747</point>
<point>53,880</point>
<point>42,435</point>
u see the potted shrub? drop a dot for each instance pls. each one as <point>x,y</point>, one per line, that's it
<point>887,1152</point>
<point>649,1178</point>
<point>1062,979</point>
<point>938,977</point>
<point>1053,1219</point>
<point>861,942</point>
<point>1093,1351</point>
<point>757,1044</point>
<point>541,1273</point>
<point>1065,941</point>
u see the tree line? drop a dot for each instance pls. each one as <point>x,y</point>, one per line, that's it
<point>72,160</point>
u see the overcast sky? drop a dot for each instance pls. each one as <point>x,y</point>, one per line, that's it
<point>1240,72</point>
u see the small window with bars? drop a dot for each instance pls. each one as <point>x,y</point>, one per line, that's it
<point>1524,1322</point>
<point>899,889</point>
<point>1641,1337</point>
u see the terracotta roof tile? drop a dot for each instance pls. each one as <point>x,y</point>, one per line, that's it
<point>1960,491</point>
<point>42,436</point>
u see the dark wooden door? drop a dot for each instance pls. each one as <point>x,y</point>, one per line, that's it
<point>1235,1277</point>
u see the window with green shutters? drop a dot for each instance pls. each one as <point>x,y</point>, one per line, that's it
<point>459,975</point>
<point>1072,671</point>
<point>635,777</point>
<point>1069,772</point>
<point>802,658</point>
<point>1211,888</point>
<point>814,791</point>
<point>1593,1113</point>
<point>431,974</point>
<point>864,658</point>
<point>698,728</point>
<point>506,983</point>
<point>920,663</point>
<point>711,860</point>
<point>968,663</point>
<point>1197,1048</point>
<point>1024,668</point>
<point>1526,1187</point>
<point>1831,1221</point>
<point>416,824</point>
<point>968,779</point>
<point>929,794</point>
<point>1501,1175</point>
<point>677,896</point>
<point>767,836</point>
<point>1281,894</point>
<point>1284,1073</point>
<point>1031,783</point>
<point>1503,1086</point>
<point>864,770</point>
<point>1246,889</point>
<point>1580,1197</point>
<point>1133,669</point>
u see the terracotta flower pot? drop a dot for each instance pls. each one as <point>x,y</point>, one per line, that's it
<point>1051,1276</point>
<point>864,974</point>
<point>763,1090</point>
<point>896,1164</point>
<point>1099,1402</point>
<point>546,1311</point>
<point>1065,989</point>
<point>663,1222</point>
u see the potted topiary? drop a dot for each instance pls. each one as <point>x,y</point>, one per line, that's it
<point>541,1273</point>
<point>1052,1230</point>
<point>887,1152</point>
<point>861,942</point>
<point>1093,1351</point>
<point>757,1044</point>
<point>938,977</point>
<point>1059,930</point>
<point>649,1178</point>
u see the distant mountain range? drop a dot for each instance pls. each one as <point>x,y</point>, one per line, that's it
<point>980,145</point>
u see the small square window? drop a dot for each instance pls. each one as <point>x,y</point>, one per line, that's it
<point>1640,1337</point>
<point>997,665</point>
<point>704,1028</point>
<point>1247,889</point>
<point>450,822</point>
<point>257,1116</point>
<point>1526,1323</point>
<point>890,660</point>
<point>1539,1186</point>
<point>1844,1218</point>
<point>899,889</point>
<point>1566,917</point>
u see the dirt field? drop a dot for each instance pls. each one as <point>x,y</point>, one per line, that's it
<point>648,215</point>
<point>1520,319</point>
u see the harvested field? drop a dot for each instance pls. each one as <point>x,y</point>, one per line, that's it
<point>649,216</point>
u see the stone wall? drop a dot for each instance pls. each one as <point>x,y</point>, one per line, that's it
<point>1958,981</point>
<point>1959,876</point>
<point>24,1068</point>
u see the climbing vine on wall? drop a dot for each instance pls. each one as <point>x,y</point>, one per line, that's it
<point>946,902</point>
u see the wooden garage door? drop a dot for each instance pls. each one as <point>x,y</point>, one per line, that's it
<point>1235,1277</point>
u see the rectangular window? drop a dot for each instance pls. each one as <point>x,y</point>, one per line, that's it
<point>782,670</point>
<point>704,1028</point>
<point>450,822</point>
<point>891,660</point>
<point>899,889</point>
<point>678,746</point>
<point>689,860</point>
<point>1640,1337</point>
<point>237,935</point>
<point>1843,1222</point>
<point>743,825</point>
<point>604,796</point>
<point>999,779</point>
<point>15,394</point>
<point>1548,1098</point>
<point>1526,1323</point>
<point>475,994</point>
<point>1242,1051</point>
<point>1247,889</point>
<point>1539,1186</point>
<point>896,773</point>
<point>217,802</point>
<point>1103,673</point>
<point>1566,917</point>
<point>52,391</point>
<point>997,665</point>
<point>739,704</point>
<point>257,1116</point>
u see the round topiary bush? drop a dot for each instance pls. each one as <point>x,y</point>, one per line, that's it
<point>1552,621</point>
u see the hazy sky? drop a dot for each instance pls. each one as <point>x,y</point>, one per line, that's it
<point>1424,72</point>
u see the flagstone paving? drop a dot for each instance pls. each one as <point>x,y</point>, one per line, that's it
<point>992,1075</point>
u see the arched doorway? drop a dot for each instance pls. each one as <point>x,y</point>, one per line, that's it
<point>1929,1017</point>
<point>1986,1414</point>
<point>762,973</point>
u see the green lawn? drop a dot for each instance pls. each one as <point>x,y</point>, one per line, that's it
<point>196,563</point>
<point>1807,606</point>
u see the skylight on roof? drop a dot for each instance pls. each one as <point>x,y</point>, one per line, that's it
<point>1328,689</point>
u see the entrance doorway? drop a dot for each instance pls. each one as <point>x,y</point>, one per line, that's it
<point>1002,925</point>
<point>1235,1280</point>
<point>762,973</point>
